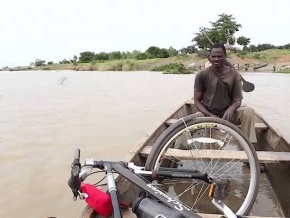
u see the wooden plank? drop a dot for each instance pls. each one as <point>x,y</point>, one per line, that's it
<point>190,101</point>
<point>170,121</point>
<point>261,126</point>
<point>127,213</point>
<point>263,156</point>
<point>258,126</point>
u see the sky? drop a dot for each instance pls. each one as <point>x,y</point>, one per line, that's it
<point>59,29</point>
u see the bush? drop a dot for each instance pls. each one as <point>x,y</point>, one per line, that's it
<point>201,54</point>
<point>284,71</point>
<point>173,68</point>
<point>242,53</point>
<point>141,56</point>
<point>130,66</point>
<point>257,56</point>
<point>45,68</point>
<point>183,57</point>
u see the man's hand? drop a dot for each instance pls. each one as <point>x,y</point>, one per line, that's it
<point>229,114</point>
<point>212,115</point>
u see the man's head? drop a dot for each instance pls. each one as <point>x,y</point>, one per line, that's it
<point>217,55</point>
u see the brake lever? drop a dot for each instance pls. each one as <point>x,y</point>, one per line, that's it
<point>74,180</point>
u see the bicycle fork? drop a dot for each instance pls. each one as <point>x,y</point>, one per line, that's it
<point>112,189</point>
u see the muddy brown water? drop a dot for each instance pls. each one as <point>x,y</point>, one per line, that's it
<point>44,116</point>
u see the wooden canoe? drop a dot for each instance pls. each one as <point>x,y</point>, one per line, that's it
<point>258,66</point>
<point>275,154</point>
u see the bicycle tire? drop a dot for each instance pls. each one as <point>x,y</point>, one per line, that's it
<point>163,143</point>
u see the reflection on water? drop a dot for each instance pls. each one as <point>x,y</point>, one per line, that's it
<point>43,121</point>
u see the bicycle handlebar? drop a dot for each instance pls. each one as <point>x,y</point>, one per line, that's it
<point>122,168</point>
<point>74,181</point>
<point>77,155</point>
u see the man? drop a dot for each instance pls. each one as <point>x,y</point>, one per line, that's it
<point>218,93</point>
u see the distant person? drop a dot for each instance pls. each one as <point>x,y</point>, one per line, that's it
<point>218,93</point>
<point>274,68</point>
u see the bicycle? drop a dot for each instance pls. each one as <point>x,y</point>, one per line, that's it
<point>201,135</point>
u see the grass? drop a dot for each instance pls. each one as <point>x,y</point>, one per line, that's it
<point>284,71</point>
<point>268,55</point>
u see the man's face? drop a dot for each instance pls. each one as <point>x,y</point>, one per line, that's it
<point>217,57</point>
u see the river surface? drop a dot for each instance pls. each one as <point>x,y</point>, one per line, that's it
<point>44,116</point>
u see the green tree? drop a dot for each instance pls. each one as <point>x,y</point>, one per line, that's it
<point>172,52</point>
<point>253,48</point>
<point>243,41</point>
<point>262,47</point>
<point>65,61</point>
<point>190,49</point>
<point>126,55</point>
<point>163,53</point>
<point>74,60</point>
<point>141,56</point>
<point>103,56</point>
<point>86,57</point>
<point>156,52</point>
<point>135,53</point>
<point>39,62</point>
<point>226,24</point>
<point>153,51</point>
<point>287,46</point>
<point>115,55</point>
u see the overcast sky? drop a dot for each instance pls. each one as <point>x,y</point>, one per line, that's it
<point>57,29</point>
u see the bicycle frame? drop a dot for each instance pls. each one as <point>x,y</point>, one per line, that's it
<point>134,177</point>
<point>122,169</point>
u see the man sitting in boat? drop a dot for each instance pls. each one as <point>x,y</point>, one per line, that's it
<point>218,93</point>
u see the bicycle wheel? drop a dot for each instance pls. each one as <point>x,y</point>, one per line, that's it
<point>190,144</point>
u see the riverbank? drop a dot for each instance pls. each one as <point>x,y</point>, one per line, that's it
<point>276,59</point>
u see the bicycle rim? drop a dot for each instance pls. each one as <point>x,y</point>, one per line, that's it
<point>187,145</point>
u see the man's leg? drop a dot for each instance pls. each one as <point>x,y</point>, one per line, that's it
<point>245,116</point>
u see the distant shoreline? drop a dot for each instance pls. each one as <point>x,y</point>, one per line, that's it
<point>277,59</point>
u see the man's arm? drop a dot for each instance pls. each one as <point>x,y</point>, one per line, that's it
<point>229,113</point>
<point>236,103</point>
<point>237,100</point>
<point>197,101</point>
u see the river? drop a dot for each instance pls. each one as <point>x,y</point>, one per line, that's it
<point>44,116</point>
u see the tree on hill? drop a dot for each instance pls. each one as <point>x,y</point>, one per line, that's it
<point>86,57</point>
<point>103,56</point>
<point>172,52</point>
<point>287,46</point>
<point>217,32</point>
<point>243,41</point>
<point>156,52</point>
<point>115,55</point>
<point>39,62</point>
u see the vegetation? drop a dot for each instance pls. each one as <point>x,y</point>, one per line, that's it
<point>218,32</point>
<point>268,55</point>
<point>174,68</point>
<point>284,70</point>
